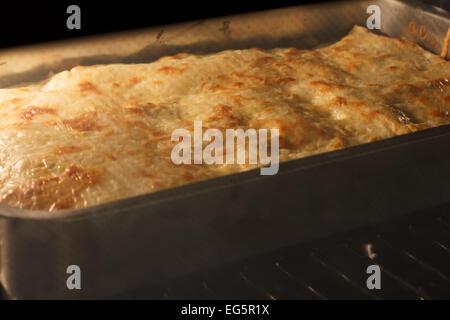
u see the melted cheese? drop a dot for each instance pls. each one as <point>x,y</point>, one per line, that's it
<point>101,133</point>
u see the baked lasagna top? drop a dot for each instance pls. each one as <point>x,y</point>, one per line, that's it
<point>101,133</point>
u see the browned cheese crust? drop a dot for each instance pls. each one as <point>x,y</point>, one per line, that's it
<point>101,133</point>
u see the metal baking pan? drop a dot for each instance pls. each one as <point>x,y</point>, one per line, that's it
<point>154,238</point>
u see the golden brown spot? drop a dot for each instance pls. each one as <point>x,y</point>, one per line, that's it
<point>356,103</point>
<point>438,114</point>
<point>405,42</point>
<point>338,143</point>
<point>418,126</point>
<point>264,59</point>
<point>69,149</point>
<point>32,111</point>
<point>216,87</point>
<point>351,66</point>
<point>280,65</point>
<point>223,109</point>
<point>221,77</point>
<point>86,86</point>
<point>39,186</point>
<point>223,112</point>
<point>187,176</point>
<point>374,139</point>
<point>131,103</point>
<point>357,55</point>
<point>170,70</point>
<point>21,125</point>
<point>136,79</point>
<point>238,99</point>
<point>241,97</point>
<point>284,81</point>
<point>137,111</point>
<point>319,83</point>
<point>392,67</point>
<point>292,52</point>
<point>154,133</point>
<point>329,85</point>
<point>373,114</point>
<point>84,122</point>
<point>147,174</point>
<point>134,124</point>
<point>110,157</point>
<point>408,86</point>
<point>16,100</point>
<point>340,101</point>
<point>238,84</point>
<point>257,49</point>
<point>422,32</point>
<point>422,100</point>
<point>44,181</point>
<point>340,48</point>
<point>267,110</point>
<point>115,85</point>
<point>412,26</point>
<point>248,76</point>
<point>294,132</point>
<point>79,175</point>
<point>50,123</point>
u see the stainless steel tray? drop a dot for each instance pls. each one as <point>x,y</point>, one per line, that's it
<point>151,239</point>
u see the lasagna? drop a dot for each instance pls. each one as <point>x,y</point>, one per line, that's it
<point>95,134</point>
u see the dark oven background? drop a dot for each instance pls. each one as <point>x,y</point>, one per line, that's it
<point>38,21</point>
